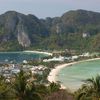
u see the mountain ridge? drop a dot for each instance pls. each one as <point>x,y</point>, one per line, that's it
<point>30,32</point>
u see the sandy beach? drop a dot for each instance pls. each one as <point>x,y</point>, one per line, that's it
<point>47,53</point>
<point>52,75</point>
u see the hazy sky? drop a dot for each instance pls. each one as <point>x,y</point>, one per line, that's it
<point>45,8</point>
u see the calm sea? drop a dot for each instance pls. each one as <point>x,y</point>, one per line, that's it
<point>18,57</point>
<point>72,77</point>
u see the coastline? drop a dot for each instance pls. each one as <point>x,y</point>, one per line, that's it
<point>52,75</point>
<point>41,52</point>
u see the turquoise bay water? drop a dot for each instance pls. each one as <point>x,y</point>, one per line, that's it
<point>72,77</point>
<point>18,57</point>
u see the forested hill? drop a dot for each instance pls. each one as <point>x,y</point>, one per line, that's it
<point>77,30</point>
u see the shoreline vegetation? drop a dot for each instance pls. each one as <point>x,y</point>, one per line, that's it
<point>45,83</point>
<point>54,72</point>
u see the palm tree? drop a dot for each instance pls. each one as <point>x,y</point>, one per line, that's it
<point>83,93</point>
<point>53,87</point>
<point>4,89</point>
<point>90,90</point>
<point>23,89</point>
<point>19,85</point>
<point>41,89</point>
<point>94,83</point>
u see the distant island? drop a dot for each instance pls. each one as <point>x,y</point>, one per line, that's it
<point>75,30</point>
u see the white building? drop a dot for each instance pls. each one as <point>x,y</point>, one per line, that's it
<point>84,35</point>
<point>60,58</point>
<point>75,57</point>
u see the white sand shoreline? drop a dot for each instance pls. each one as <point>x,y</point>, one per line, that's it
<point>52,75</point>
<point>41,52</point>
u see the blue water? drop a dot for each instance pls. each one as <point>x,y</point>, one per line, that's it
<point>72,77</point>
<point>18,57</point>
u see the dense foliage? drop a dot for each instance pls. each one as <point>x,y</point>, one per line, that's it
<point>65,32</point>
<point>90,90</point>
<point>23,87</point>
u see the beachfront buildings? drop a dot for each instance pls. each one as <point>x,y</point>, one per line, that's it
<point>10,70</point>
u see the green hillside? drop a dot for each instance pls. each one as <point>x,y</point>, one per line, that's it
<point>77,30</point>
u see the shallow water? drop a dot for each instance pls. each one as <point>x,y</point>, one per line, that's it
<point>18,57</point>
<point>72,77</point>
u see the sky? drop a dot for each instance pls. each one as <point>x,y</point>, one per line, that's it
<point>48,8</point>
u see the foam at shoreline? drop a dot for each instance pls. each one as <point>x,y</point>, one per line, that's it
<point>53,74</point>
<point>47,53</point>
